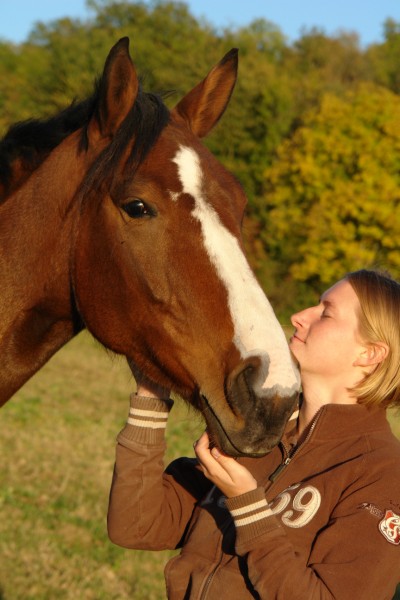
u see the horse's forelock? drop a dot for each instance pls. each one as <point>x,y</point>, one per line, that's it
<point>139,132</point>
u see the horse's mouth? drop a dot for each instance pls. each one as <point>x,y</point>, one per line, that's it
<point>221,438</point>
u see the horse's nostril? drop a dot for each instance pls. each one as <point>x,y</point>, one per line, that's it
<point>249,375</point>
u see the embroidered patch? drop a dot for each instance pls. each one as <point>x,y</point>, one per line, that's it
<point>390,527</point>
<point>303,504</point>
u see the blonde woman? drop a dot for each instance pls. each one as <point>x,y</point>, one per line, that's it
<point>319,517</point>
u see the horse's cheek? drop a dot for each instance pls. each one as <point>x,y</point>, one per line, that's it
<point>96,284</point>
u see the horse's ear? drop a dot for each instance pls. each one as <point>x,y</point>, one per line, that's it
<point>118,89</point>
<point>205,104</point>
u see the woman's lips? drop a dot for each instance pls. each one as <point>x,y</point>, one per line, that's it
<point>296,337</point>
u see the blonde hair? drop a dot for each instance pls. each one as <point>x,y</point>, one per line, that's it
<point>379,321</point>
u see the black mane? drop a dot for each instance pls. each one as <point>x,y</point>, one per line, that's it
<point>33,140</point>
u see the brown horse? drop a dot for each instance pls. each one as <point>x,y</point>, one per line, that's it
<point>115,217</point>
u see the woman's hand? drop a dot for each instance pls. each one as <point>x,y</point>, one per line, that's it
<point>228,475</point>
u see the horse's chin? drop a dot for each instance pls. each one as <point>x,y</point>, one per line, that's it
<point>224,439</point>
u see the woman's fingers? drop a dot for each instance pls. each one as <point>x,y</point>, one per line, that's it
<point>224,471</point>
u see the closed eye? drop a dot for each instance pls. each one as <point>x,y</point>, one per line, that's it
<point>138,209</point>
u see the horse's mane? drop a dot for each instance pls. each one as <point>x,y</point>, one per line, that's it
<point>31,141</point>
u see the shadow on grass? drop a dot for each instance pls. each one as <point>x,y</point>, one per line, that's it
<point>395,597</point>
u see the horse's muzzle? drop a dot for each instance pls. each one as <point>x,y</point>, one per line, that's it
<point>253,419</point>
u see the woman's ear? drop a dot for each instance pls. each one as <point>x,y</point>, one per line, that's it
<point>373,354</point>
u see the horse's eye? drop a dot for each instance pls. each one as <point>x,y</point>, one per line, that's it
<point>137,209</point>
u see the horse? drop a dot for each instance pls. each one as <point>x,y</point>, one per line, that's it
<point>115,217</point>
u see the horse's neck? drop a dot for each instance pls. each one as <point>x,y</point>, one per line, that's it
<point>27,346</point>
<point>36,307</point>
<point>19,174</point>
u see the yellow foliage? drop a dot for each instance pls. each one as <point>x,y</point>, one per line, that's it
<point>333,193</point>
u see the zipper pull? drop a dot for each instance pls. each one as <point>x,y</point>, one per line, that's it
<point>279,470</point>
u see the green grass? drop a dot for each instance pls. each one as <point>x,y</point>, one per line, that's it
<point>57,453</point>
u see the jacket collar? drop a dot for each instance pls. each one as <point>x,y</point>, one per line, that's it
<point>339,421</point>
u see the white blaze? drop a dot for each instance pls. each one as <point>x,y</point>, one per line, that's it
<point>257,331</point>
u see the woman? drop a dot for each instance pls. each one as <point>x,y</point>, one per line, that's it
<point>316,518</point>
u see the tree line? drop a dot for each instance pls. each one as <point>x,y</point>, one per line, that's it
<point>312,131</point>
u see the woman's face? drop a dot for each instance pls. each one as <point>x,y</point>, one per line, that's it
<point>326,340</point>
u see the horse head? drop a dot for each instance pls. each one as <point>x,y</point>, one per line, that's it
<point>159,271</point>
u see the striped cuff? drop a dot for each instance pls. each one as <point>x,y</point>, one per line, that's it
<point>251,514</point>
<point>147,420</point>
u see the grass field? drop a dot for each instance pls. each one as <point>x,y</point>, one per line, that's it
<point>57,452</point>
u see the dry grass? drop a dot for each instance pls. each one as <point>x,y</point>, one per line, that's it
<point>57,447</point>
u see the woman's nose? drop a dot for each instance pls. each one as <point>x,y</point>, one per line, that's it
<point>294,319</point>
<point>299,318</point>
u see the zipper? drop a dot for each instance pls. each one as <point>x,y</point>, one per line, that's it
<point>209,580</point>
<point>210,576</point>
<point>291,453</point>
<point>281,467</point>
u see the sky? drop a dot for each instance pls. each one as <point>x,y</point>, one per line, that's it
<point>365,17</point>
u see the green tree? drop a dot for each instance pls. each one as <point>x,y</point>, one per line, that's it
<point>384,58</point>
<point>319,64</point>
<point>261,110</point>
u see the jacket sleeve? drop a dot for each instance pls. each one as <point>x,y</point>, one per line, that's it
<point>149,508</point>
<point>349,558</point>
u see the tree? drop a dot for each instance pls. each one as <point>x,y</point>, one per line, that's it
<point>384,58</point>
<point>261,110</point>
<point>332,199</point>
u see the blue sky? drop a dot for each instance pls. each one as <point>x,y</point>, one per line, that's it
<point>366,17</point>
